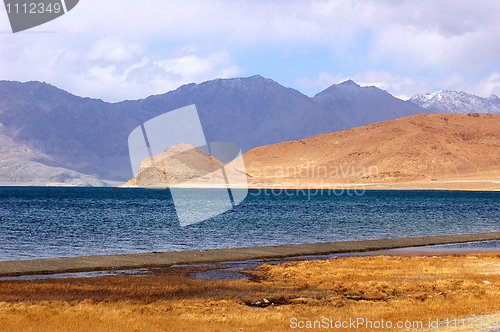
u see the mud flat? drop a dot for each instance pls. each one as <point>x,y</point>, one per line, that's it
<point>165,259</point>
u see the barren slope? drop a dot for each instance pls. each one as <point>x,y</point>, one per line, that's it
<point>184,165</point>
<point>436,151</point>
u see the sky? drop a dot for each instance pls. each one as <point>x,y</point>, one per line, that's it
<point>123,49</point>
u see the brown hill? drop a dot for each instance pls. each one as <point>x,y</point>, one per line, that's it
<point>184,165</point>
<point>436,151</point>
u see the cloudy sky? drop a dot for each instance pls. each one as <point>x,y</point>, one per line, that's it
<point>124,49</point>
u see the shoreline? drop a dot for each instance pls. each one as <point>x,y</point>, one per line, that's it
<point>356,186</point>
<point>211,256</point>
<point>434,186</point>
<point>229,269</point>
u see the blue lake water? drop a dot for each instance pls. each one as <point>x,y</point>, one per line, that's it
<point>45,222</point>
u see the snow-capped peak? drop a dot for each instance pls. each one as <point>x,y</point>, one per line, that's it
<point>457,102</point>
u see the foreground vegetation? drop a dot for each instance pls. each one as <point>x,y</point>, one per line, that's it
<point>279,297</point>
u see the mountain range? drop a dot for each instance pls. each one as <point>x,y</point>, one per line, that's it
<point>457,102</point>
<point>43,124</point>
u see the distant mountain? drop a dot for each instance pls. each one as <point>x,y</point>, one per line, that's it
<point>44,124</point>
<point>58,129</point>
<point>251,111</point>
<point>357,106</point>
<point>457,102</point>
<point>35,174</point>
<point>90,136</point>
<point>433,151</point>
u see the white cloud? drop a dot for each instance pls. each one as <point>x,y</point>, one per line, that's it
<point>146,76</point>
<point>488,86</point>
<point>403,87</point>
<point>123,49</point>
<point>111,69</point>
<point>454,81</point>
<point>111,50</point>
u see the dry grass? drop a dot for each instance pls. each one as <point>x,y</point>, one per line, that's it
<point>374,288</point>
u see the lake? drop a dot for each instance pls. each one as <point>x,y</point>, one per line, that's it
<point>47,222</point>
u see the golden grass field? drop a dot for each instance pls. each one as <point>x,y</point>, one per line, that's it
<point>391,288</point>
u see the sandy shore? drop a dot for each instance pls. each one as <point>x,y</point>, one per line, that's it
<point>473,183</point>
<point>165,259</point>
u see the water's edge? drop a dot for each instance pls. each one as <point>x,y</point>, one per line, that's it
<point>166,259</point>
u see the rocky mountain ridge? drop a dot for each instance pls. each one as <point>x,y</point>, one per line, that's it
<point>457,102</point>
<point>50,126</point>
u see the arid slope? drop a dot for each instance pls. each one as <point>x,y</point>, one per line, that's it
<point>429,151</point>
<point>184,165</point>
